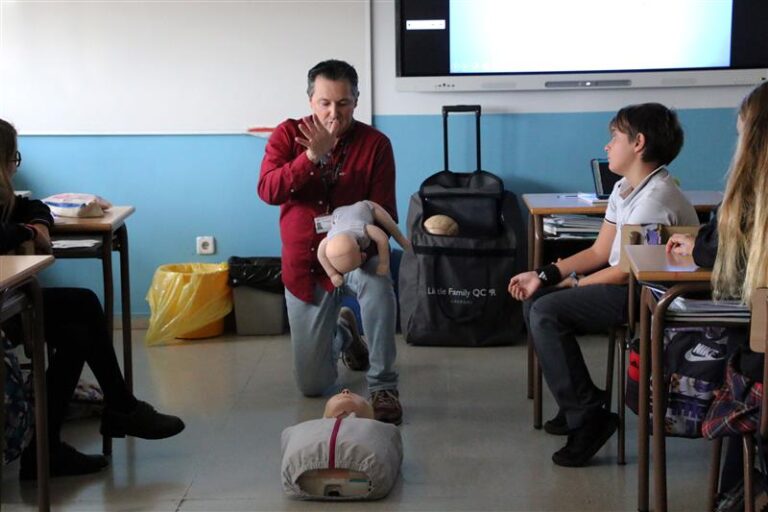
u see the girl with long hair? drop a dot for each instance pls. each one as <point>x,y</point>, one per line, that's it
<point>75,326</point>
<point>735,242</point>
<point>741,264</point>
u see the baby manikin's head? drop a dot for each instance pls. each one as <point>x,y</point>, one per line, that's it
<point>343,253</point>
<point>345,403</point>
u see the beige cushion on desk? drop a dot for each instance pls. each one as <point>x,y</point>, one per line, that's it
<point>71,204</point>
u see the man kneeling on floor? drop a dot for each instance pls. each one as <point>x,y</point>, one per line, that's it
<point>312,166</point>
<point>644,138</point>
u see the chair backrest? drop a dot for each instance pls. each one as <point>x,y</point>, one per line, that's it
<point>24,249</point>
<point>758,326</point>
<point>634,234</point>
<point>758,338</point>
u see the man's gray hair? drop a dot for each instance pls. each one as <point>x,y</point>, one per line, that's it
<point>332,70</point>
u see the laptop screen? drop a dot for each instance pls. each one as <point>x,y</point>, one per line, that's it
<point>603,177</point>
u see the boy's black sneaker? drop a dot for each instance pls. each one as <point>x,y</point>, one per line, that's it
<point>64,461</point>
<point>355,355</point>
<point>143,421</point>
<point>557,426</point>
<point>584,442</point>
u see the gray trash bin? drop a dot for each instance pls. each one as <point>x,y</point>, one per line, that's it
<point>257,289</point>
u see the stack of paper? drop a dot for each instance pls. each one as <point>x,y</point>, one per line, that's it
<point>696,310</point>
<point>74,243</point>
<point>572,226</point>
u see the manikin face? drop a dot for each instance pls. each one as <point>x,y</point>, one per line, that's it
<point>334,104</point>
<point>621,152</point>
<point>346,403</point>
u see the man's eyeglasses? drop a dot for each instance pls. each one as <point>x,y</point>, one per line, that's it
<point>17,159</point>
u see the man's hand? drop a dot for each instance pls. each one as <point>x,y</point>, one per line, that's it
<point>318,139</point>
<point>680,244</point>
<point>523,285</point>
<point>337,280</point>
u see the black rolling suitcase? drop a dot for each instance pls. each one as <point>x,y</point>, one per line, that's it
<point>453,289</point>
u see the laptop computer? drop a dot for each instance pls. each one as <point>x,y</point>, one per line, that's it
<point>603,177</point>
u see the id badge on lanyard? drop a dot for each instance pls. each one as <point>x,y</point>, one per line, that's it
<point>323,224</point>
<point>330,177</point>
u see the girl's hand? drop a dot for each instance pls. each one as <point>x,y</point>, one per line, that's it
<point>42,239</point>
<point>680,244</point>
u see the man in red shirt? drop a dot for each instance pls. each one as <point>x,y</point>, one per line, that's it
<point>311,166</point>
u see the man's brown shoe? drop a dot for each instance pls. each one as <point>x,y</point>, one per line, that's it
<point>355,356</point>
<point>386,406</point>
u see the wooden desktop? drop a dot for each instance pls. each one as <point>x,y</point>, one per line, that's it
<point>20,295</point>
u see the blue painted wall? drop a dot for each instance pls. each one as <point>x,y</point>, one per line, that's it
<point>185,186</point>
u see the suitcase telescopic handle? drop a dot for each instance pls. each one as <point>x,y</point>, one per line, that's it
<point>447,109</point>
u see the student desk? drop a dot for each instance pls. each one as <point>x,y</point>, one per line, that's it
<point>543,205</point>
<point>112,234</point>
<point>651,264</point>
<point>20,294</point>
<point>540,206</point>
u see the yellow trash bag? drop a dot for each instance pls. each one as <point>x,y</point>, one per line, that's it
<point>185,299</point>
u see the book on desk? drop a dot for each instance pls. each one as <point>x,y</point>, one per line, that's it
<point>685,309</point>
<point>591,198</point>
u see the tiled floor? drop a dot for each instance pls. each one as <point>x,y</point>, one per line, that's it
<point>468,440</point>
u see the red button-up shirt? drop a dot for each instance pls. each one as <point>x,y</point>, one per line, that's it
<point>360,167</point>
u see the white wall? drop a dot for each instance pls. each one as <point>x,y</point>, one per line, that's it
<point>168,67</point>
<point>388,101</point>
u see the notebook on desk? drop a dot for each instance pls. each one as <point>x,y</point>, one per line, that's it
<point>603,177</point>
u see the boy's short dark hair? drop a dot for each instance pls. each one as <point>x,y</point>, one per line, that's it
<point>662,131</point>
<point>332,70</point>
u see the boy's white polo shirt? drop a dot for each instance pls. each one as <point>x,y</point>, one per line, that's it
<point>656,200</point>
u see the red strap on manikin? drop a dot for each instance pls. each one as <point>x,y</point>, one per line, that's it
<point>332,444</point>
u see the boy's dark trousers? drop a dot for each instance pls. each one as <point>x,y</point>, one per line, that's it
<point>554,316</point>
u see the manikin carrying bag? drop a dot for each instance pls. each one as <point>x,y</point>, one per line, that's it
<point>453,286</point>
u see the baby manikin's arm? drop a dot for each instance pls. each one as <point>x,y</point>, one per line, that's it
<point>385,220</point>
<point>381,240</point>
<point>336,278</point>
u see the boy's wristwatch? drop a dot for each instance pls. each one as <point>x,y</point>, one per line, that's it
<point>575,277</point>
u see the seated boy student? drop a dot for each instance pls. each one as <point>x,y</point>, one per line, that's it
<point>587,292</point>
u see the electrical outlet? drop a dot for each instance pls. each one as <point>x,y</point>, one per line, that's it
<point>206,245</point>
